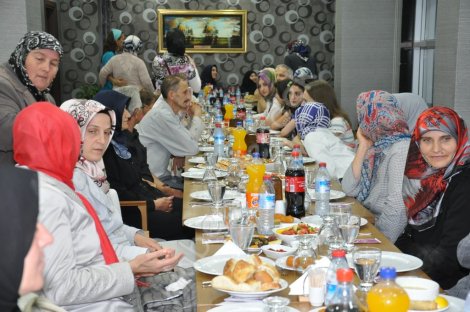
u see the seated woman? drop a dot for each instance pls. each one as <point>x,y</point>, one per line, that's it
<point>322,92</point>
<point>436,194</point>
<point>24,242</point>
<point>124,165</point>
<point>209,76</point>
<point>249,83</point>
<point>312,121</point>
<point>282,88</point>
<point>462,288</point>
<point>267,92</point>
<point>375,176</point>
<point>295,98</point>
<point>82,271</point>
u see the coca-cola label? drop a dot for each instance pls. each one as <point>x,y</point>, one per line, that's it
<point>262,138</point>
<point>252,200</point>
<point>295,184</point>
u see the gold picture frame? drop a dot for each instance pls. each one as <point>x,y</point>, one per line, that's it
<point>211,31</point>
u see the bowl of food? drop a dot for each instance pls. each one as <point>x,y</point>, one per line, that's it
<point>277,251</point>
<point>422,292</point>
<point>291,233</point>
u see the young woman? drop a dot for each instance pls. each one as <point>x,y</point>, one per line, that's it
<point>322,92</point>
<point>249,82</point>
<point>312,121</point>
<point>436,194</point>
<point>375,176</point>
<point>209,76</point>
<point>111,46</point>
<point>267,91</point>
<point>295,98</point>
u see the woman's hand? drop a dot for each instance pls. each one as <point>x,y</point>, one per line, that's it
<point>164,204</point>
<point>155,262</point>
<point>146,242</point>
<point>364,144</point>
<point>363,141</point>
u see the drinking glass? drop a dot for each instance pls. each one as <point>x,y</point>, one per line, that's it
<point>367,262</point>
<point>242,233</point>
<point>233,178</point>
<point>276,304</point>
<point>349,231</point>
<point>310,173</point>
<point>341,212</point>
<point>209,173</point>
<point>205,135</point>
<point>216,191</point>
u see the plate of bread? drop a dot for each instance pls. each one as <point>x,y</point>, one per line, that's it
<point>253,277</point>
<point>214,265</point>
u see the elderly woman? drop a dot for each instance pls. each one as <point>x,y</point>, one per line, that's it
<point>436,194</point>
<point>47,140</point>
<point>312,121</point>
<point>375,176</point>
<point>26,79</point>
<point>25,240</point>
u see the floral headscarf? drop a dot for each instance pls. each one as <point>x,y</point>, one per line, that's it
<point>32,40</point>
<point>83,111</point>
<point>132,44</point>
<point>268,75</point>
<point>384,123</point>
<point>424,185</point>
<point>310,116</point>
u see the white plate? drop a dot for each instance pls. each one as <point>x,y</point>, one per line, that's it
<point>255,294</point>
<point>455,305</point>
<point>214,265</point>
<point>281,262</point>
<point>199,174</point>
<point>206,148</point>
<point>308,160</point>
<point>317,220</point>
<point>198,223</point>
<point>400,261</point>
<point>197,160</point>
<point>204,195</point>
<point>244,307</point>
<point>334,194</point>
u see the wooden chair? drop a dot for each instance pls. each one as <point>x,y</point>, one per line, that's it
<point>142,206</point>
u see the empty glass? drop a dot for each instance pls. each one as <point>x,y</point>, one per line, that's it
<point>310,173</point>
<point>305,254</point>
<point>209,173</point>
<point>276,304</point>
<point>341,212</point>
<point>233,178</point>
<point>329,236</point>
<point>367,262</point>
<point>216,191</point>
<point>349,231</point>
<point>241,232</point>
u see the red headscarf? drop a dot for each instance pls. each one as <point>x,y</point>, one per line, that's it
<point>47,139</point>
<point>423,184</point>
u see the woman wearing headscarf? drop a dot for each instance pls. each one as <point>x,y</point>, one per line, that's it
<point>299,56</point>
<point>412,106</point>
<point>175,61</point>
<point>124,166</point>
<point>267,92</point>
<point>312,121</point>
<point>209,76</point>
<point>375,176</point>
<point>47,140</point>
<point>249,83</point>
<point>111,46</point>
<point>25,79</point>
<point>436,194</point>
<point>25,240</point>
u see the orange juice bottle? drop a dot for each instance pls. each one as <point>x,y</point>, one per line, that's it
<point>239,145</point>
<point>387,296</point>
<point>228,111</point>
<point>255,171</point>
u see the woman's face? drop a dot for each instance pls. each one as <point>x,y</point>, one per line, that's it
<point>295,96</point>
<point>214,72</point>
<point>438,148</point>
<point>254,77</point>
<point>97,136</point>
<point>120,41</point>
<point>42,66</point>
<point>33,268</point>
<point>263,88</point>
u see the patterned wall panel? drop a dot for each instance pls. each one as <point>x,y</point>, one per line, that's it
<point>271,25</point>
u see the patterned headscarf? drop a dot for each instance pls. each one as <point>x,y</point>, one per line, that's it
<point>384,123</point>
<point>83,111</point>
<point>32,40</point>
<point>268,75</point>
<point>299,47</point>
<point>132,44</point>
<point>423,185</point>
<point>303,73</point>
<point>310,116</point>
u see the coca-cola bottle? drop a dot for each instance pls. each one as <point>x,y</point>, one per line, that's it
<point>295,187</point>
<point>241,110</point>
<point>263,138</point>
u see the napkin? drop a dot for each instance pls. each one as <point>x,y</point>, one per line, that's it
<point>297,287</point>
<point>229,248</point>
<point>179,284</point>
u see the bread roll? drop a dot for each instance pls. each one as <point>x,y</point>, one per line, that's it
<point>225,282</point>
<point>228,267</point>
<point>423,305</point>
<point>269,285</point>
<point>242,271</point>
<point>262,276</point>
<point>271,270</point>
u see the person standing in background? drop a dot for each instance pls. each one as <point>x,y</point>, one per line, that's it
<point>299,56</point>
<point>111,47</point>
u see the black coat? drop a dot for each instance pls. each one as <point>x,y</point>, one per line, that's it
<point>437,246</point>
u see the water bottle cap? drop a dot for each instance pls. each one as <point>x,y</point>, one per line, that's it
<point>295,154</point>
<point>388,273</point>
<point>218,125</point>
<point>344,275</point>
<point>296,145</point>
<point>239,123</point>
<point>322,164</point>
<point>267,176</point>
<point>338,253</point>
<point>255,155</point>
<point>263,118</point>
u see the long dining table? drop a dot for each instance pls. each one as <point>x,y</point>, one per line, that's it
<point>208,298</point>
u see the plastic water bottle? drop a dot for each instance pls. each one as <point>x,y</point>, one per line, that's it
<point>387,296</point>
<point>238,95</point>
<point>267,200</point>
<point>249,123</point>
<point>344,299</point>
<point>338,262</point>
<point>322,191</point>
<point>219,140</point>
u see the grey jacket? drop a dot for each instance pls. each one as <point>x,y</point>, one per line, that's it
<point>14,96</point>
<point>76,276</point>
<point>462,288</point>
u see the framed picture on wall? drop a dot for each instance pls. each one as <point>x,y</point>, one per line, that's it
<point>212,31</point>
